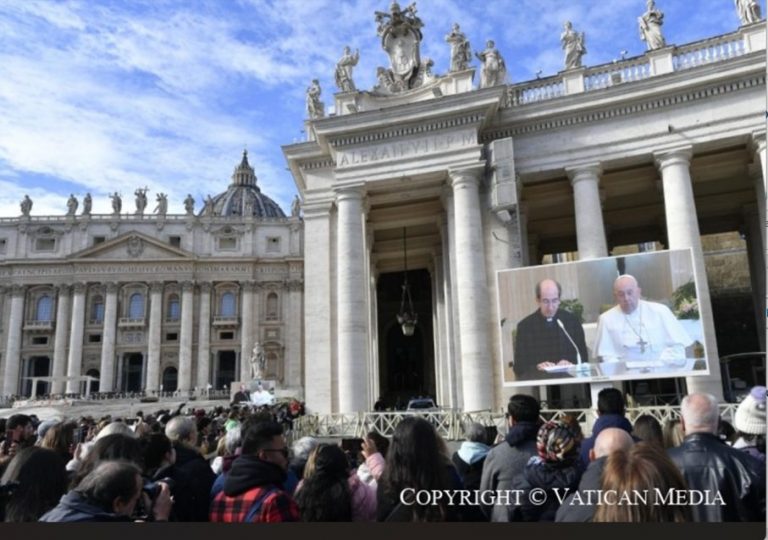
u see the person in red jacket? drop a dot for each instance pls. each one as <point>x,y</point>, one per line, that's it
<point>253,489</point>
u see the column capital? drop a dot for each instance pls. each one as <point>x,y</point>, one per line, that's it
<point>466,175</point>
<point>590,171</point>
<point>156,287</point>
<point>248,286</point>
<point>316,209</point>
<point>758,141</point>
<point>187,286</point>
<point>18,289</point>
<point>205,287</point>
<point>296,285</point>
<point>79,288</point>
<point>63,289</point>
<point>111,287</point>
<point>351,192</point>
<point>678,156</point>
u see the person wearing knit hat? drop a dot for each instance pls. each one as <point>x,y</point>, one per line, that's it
<point>556,469</point>
<point>750,424</point>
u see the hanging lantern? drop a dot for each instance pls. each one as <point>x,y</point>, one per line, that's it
<point>407,317</point>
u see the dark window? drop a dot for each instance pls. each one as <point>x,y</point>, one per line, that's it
<point>175,241</point>
<point>172,336</point>
<point>94,338</point>
<point>226,335</point>
<point>40,340</point>
<point>99,240</point>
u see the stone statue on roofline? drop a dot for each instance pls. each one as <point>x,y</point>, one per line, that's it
<point>162,204</point>
<point>650,27</point>
<point>400,32</point>
<point>296,207</point>
<point>461,52</point>
<point>573,45</point>
<point>72,205</point>
<point>315,107</point>
<point>344,69</point>
<point>141,200</point>
<point>117,202</point>
<point>494,71</point>
<point>87,203</point>
<point>26,206</point>
<point>748,11</point>
<point>189,205</point>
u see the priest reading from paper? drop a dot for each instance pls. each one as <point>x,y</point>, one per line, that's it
<point>638,330</point>
<point>549,339</point>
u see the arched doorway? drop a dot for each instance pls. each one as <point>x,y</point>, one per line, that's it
<point>170,379</point>
<point>133,367</point>
<point>406,363</point>
<point>226,365</point>
<point>37,366</point>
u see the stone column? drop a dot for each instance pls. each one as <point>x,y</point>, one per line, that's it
<point>154,336</point>
<point>590,230</point>
<point>108,340</point>
<point>683,232</point>
<point>752,229</point>
<point>472,291</point>
<point>351,309</point>
<point>13,345</point>
<point>60,338</point>
<point>292,327</point>
<point>319,308</point>
<point>77,328</point>
<point>758,172</point>
<point>204,338</point>
<point>185,338</point>
<point>248,336</point>
<point>452,338</point>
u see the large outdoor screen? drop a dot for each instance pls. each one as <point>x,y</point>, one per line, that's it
<point>615,318</point>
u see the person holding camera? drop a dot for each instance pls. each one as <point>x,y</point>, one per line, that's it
<point>110,493</point>
<point>160,466</point>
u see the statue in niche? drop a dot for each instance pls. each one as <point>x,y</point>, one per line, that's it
<point>650,27</point>
<point>344,69</point>
<point>315,107</point>
<point>748,10</point>
<point>117,202</point>
<point>26,206</point>
<point>72,205</point>
<point>141,200</point>
<point>296,207</point>
<point>461,53</point>
<point>573,45</point>
<point>87,203</point>
<point>162,204</point>
<point>494,70</point>
<point>400,32</point>
<point>258,361</point>
<point>189,204</point>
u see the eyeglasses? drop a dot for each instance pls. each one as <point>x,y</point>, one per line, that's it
<point>283,451</point>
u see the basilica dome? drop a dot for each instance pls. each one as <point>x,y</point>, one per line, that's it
<point>243,197</point>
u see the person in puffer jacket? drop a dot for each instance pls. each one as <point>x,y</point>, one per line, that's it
<point>330,491</point>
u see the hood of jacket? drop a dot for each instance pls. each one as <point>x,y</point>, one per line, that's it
<point>248,472</point>
<point>471,452</point>
<point>545,475</point>
<point>521,432</point>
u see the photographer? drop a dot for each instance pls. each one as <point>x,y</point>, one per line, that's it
<point>109,493</point>
<point>160,466</point>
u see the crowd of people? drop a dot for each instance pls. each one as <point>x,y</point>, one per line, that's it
<point>234,465</point>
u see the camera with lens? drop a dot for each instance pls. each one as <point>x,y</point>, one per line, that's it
<point>153,488</point>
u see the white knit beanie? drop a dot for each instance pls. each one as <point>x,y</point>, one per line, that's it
<point>750,414</point>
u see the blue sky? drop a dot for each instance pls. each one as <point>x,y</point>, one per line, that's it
<point>104,95</point>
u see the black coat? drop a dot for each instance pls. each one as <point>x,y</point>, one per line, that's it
<point>548,477</point>
<point>707,463</point>
<point>580,510</point>
<point>194,467</point>
<point>539,341</point>
<point>73,507</point>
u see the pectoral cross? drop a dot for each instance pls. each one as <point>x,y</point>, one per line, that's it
<point>642,344</point>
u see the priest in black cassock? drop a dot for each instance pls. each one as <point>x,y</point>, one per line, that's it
<point>540,342</point>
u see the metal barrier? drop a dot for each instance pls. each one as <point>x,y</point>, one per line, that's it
<point>450,424</point>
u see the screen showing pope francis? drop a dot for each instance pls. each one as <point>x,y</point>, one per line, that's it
<point>615,318</point>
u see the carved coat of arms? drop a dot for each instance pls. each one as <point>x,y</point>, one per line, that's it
<point>135,246</point>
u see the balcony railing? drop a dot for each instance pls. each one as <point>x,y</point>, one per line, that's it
<point>708,51</point>
<point>125,322</point>
<point>225,321</point>
<point>39,326</point>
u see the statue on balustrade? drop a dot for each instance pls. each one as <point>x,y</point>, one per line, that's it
<point>650,27</point>
<point>296,207</point>
<point>315,107</point>
<point>189,204</point>
<point>117,202</point>
<point>749,11</point>
<point>461,52</point>
<point>162,204</point>
<point>141,200</point>
<point>26,206</point>
<point>72,205</point>
<point>87,203</point>
<point>573,45</point>
<point>344,70</point>
<point>494,70</point>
